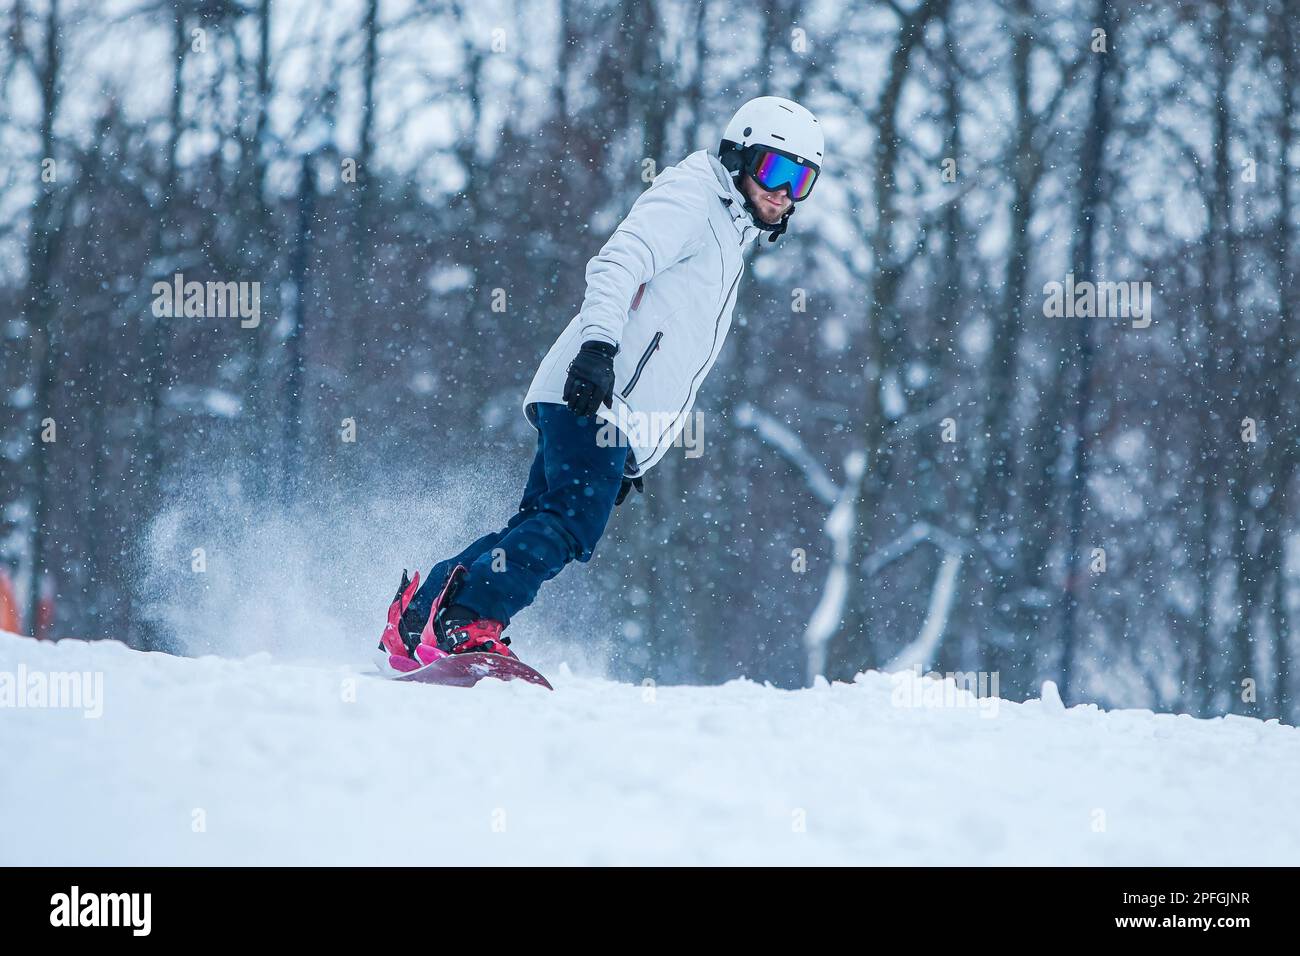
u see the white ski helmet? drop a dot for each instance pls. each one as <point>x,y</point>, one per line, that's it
<point>773,124</point>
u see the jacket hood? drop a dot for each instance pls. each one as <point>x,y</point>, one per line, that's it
<point>709,169</point>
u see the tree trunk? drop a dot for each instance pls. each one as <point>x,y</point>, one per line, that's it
<point>42,252</point>
<point>853,647</point>
<point>1090,204</point>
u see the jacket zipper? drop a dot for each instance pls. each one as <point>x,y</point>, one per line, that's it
<point>654,344</point>
<point>717,324</point>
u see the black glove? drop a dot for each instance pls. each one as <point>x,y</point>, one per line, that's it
<point>591,378</point>
<point>628,485</point>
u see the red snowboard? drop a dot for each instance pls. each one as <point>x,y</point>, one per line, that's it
<point>466,670</point>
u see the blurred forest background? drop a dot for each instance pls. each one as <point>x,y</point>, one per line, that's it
<point>906,460</point>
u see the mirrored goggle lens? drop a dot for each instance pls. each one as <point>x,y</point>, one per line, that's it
<point>774,171</point>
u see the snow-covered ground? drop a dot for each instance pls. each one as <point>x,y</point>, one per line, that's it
<point>219,761</point>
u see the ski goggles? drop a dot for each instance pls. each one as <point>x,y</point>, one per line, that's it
<point>773,170</point>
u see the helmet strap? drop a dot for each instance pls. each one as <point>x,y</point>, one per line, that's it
<point>777,231</point>
<point>735,159</point>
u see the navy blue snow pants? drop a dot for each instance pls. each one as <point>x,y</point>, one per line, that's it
<point>566,505</point>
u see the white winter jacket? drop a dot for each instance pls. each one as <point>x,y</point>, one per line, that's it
<point>661,289</point>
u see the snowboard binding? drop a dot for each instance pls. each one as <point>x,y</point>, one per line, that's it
<point>413,639</point>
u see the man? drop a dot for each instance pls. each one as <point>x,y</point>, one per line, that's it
<point>614,391</point>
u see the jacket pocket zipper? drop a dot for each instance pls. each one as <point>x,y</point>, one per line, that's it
<point>645,357</point>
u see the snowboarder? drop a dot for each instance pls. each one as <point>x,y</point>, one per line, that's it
<point>614,391</point>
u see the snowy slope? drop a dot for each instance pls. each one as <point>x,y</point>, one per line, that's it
<point>252,761</point>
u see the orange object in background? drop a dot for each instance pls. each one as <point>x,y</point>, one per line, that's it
<point>10,620</point>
